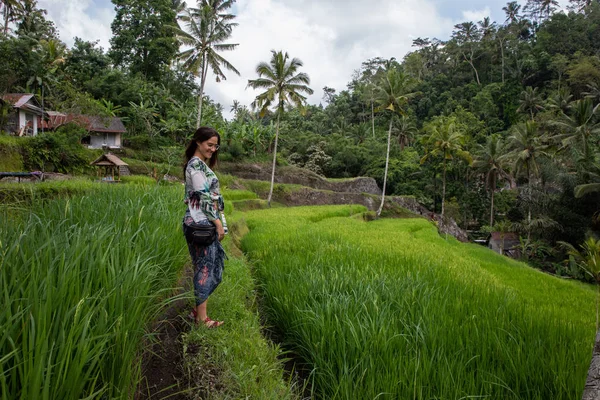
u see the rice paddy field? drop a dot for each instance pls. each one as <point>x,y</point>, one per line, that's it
<point>80,277</point>
<point>388,309</point>
<point>385,309</point>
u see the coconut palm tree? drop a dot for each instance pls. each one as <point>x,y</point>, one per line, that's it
<point>444,138</point>
<point>11,9</point>
<point>283,85</point>
<point>488,161</point>
<point>206,29</point>
<point>405,129</point>
<point>392,92</point>
<point>581,126</point>
<point>526,150</point>
<point>512,11</point>
<point>530,102</point>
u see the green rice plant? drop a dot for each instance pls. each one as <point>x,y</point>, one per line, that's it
<point>235,195</point>
<point>138,179</point>
<point>389,309</point>
<point>81,278</point>
<point>28,192</point>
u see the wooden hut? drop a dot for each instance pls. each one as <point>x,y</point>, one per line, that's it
<point>109,166</point>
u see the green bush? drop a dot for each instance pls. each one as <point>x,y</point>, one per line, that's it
<point>58,151</point>
<point>11,159</point>
<point>146,142</point>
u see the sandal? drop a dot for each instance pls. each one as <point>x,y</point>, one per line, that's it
<point>210,324</point>
<point>192,314</point>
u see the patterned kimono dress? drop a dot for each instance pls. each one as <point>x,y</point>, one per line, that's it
<point>205,203</point>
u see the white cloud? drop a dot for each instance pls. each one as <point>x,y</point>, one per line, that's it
<point>476,15</point>
<point>331,37</point>
<point>80,18</point>
<point>332,40</point>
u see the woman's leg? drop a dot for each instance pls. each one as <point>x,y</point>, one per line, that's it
<point>201,314</point>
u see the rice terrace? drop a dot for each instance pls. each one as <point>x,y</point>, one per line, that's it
<point>298,200</point>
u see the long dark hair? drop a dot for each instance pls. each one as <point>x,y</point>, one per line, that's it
<point>202,135</point>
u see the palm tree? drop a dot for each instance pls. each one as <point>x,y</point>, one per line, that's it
<point>593,179</point>
<point>444,138</point>
<point>581,126</point>
<point>392,92</point>
<point>512,11</point>
<point>405,129</point>
<point>531,101</point>
<point>11,9</point>
<point>283,85</point>
<point>206,30</point>
<point>489,162</point>
<point>560,101</point>
<point>526,150</point>
<point>486,27</point>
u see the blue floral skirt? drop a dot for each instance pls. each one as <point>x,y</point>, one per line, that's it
<point>208,263</point>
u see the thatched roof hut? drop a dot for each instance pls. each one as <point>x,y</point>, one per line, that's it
<point>110,163</point>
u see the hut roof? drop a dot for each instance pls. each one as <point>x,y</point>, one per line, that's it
<point>25,101</point>
<point>108,159</point>
<point>89,122</point>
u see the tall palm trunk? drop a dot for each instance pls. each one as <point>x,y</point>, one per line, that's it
<point>492,205</point>
<point>274,157</point>
<point>202,81</point>
<point>528,205</point>
<point>387,160</point>
<point>444,189</point>
<point>372,119</point>
<point>502,55</point>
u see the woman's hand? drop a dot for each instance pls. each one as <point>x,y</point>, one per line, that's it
<point>220,232</point>
<point>220,229</point>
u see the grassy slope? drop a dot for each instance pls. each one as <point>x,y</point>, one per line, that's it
<point>391,309</point>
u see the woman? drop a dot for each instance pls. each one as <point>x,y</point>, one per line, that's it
<point>205,205</point>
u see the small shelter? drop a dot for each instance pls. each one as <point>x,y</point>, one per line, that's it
<point>24,114</point>
<point>506,243</point>
<point>110,165</point>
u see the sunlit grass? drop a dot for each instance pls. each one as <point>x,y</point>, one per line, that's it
<point>389,309</point>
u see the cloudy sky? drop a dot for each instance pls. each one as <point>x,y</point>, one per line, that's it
<point>331,37</point>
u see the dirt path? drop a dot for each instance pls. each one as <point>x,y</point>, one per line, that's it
<point>162,362</point>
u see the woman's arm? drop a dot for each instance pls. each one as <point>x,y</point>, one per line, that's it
<point>201,197</point>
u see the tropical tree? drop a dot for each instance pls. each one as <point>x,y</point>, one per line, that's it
<point>593,185</point>
<point>283,85</point>
<point>206,29</point>
<point>392,92</point>
<point>526,150</point>
<point>11,9</point>
<point>467,36</point>
<point>444,137</point>
<point>488,161</point>
<point>512,11</point>
<point>530,102</point>
<point>581,126</point>
<point>405,129</point>
<point>144,36</point>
